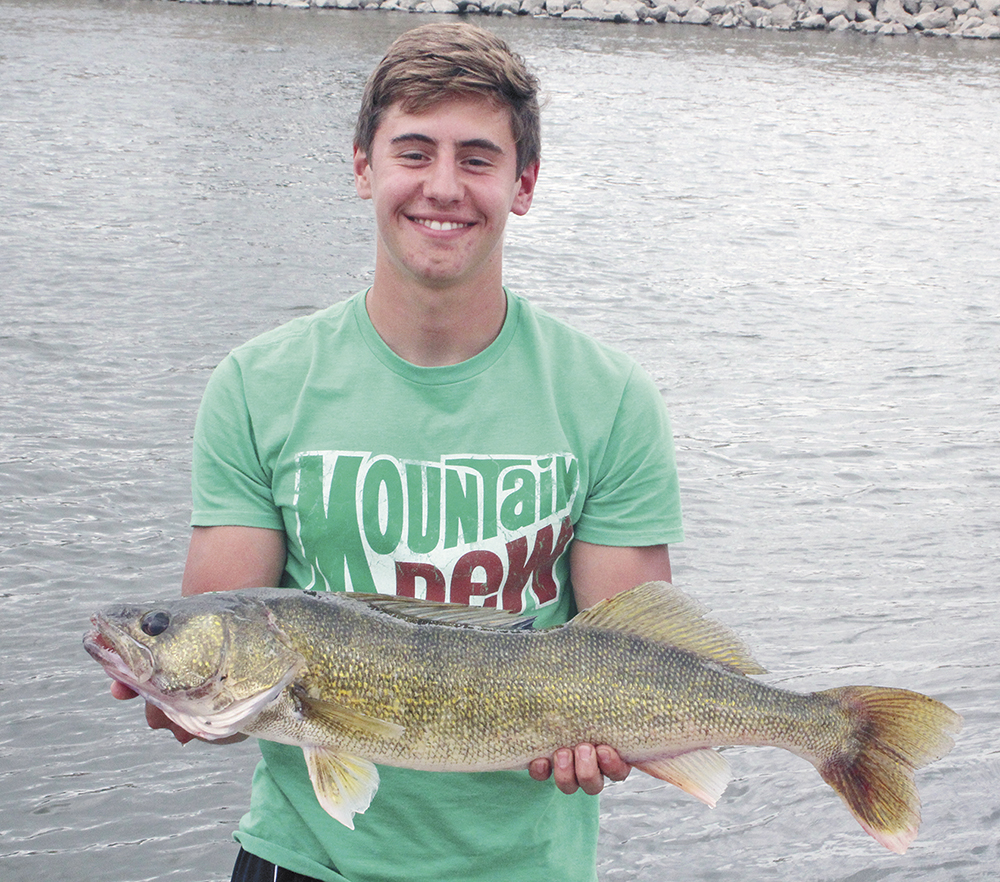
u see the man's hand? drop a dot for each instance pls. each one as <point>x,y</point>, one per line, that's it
<point>157,719</point>
<point>584,768</point>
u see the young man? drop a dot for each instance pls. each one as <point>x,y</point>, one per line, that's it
<point>435,436</point>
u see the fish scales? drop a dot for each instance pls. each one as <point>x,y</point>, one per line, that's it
<point>356,680</point>
<point>473,699</point>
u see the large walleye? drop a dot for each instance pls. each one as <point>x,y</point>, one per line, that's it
<point>357,679</point>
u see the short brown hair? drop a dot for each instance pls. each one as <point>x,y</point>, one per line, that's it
<point>434,62</point>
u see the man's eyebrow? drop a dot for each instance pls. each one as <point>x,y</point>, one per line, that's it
<point>475,143</point>
<point>412,136</point>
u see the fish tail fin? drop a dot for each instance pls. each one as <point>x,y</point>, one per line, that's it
<point>895,732</point>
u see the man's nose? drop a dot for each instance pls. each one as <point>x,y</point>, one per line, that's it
<point>443,183</point>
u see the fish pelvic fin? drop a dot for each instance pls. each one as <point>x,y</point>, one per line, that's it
<point>895,733</point>
<point>658,611</point>
<point>344,784</point>
<point>703,773</point>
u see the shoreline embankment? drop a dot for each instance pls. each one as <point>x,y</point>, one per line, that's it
<point>970,19</point>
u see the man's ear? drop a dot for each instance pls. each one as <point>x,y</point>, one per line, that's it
<point>526,191</point>
<point>362,173</point>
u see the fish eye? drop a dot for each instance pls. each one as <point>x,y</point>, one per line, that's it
<point>155,623</point>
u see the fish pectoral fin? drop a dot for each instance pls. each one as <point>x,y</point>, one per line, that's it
<point>703,773</point>
<point>344,784</point>
<point>343,719</point>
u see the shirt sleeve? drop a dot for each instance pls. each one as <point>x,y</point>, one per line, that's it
<point>634,497</point>
<point>229,483</point>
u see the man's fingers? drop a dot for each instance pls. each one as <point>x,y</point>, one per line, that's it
<point>564,771</point>
<point>540,769</point>
<point>121,691</point>
<point>611,764</point>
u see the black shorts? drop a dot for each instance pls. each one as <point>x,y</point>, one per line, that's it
<point>250,868</point>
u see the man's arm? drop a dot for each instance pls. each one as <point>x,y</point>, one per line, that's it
<point>599,572</point>
<point>226,558</point>
<point>221,559</point>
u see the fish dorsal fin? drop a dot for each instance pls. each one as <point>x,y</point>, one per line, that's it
<point>658,611</point>
<point>427,612</point>
<point>344,784</point>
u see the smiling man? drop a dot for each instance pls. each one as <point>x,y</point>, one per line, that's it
<point>437,437</point>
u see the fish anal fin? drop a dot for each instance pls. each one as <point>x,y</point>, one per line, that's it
<point>703,773</point>
<point>344,784</point>
<point>340,718</point>
<point>658,611</point>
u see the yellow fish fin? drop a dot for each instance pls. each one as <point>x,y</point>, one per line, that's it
<point>339,718</point>
<point>344,784</point>
<point>895,732</point>
<point>703,773</point>
<point>658,611</point>
<point>427,612</point>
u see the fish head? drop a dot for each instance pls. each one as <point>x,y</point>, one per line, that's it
<point>211,662</point>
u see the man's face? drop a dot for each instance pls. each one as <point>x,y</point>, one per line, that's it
<point>443,183</point>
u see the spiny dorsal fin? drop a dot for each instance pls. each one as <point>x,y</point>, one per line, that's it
<point>424,612</point>
<point>658,611</point>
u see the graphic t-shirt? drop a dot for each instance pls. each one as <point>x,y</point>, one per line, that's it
<point>463,483</point>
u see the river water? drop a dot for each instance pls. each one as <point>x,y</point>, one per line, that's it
<point>797,234</point>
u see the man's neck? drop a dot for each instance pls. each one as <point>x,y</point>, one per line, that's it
<point>436,327</point>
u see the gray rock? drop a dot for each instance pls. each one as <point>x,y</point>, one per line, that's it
<point>847,8</point>
<point>622,11</point>
<point>815,22</point>
<point>697,16</point>
<point>936,18</point>
<point>841,23</point>
<point>782,16</point>
<point>714,7</point>
<point>890,11</point>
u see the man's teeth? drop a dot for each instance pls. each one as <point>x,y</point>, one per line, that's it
<point>440,225</point>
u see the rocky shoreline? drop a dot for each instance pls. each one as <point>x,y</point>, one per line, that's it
<point>971,19</point>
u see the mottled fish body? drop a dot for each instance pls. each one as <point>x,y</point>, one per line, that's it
<point>358,679</point>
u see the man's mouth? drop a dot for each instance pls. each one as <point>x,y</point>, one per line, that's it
<point>440,225</point>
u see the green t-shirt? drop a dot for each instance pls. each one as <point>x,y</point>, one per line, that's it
<point>463,483</point>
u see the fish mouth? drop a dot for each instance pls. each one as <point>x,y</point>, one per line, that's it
<point>103,642</point>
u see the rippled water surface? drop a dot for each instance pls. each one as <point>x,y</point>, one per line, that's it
<point>796,234</point>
